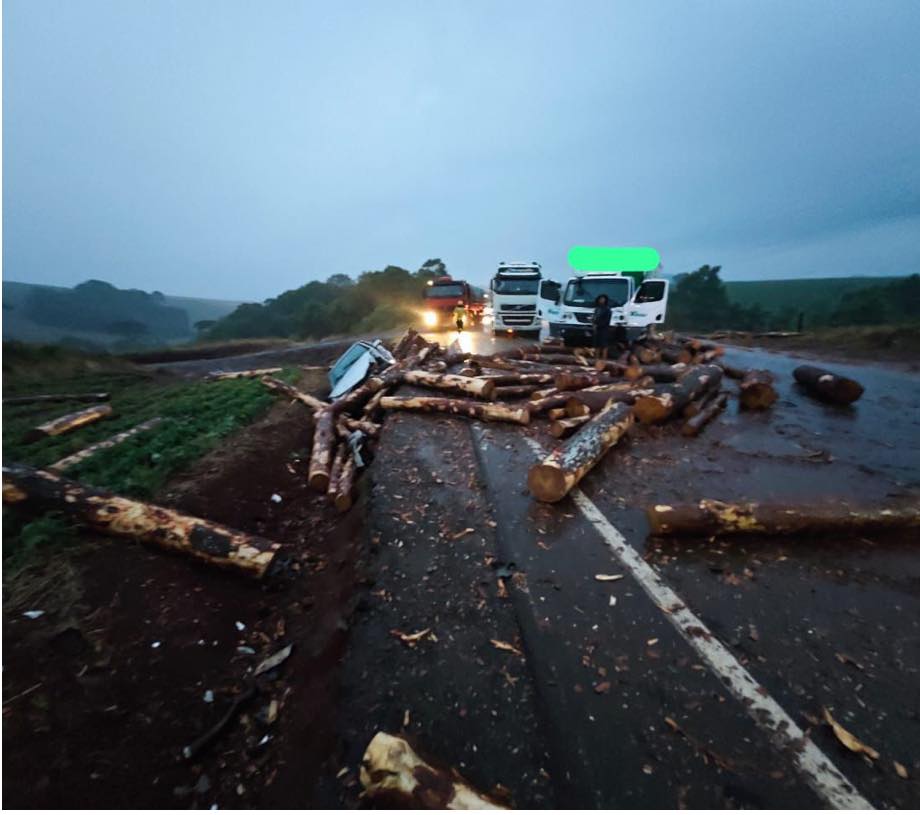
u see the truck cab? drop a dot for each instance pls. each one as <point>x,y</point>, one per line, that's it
<point>441,297</point>
<point>514,292</point>
<point>636,302</point>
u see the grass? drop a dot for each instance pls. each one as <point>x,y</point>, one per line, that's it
<point>211,349</point>
<point>811,295</point>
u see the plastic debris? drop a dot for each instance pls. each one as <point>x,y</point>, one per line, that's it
<point>274,660</point>
<point>33,614</point>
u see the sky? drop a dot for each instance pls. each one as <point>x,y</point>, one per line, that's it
<point>229,149</point>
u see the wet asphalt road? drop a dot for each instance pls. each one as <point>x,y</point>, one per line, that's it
<point>633,714</point>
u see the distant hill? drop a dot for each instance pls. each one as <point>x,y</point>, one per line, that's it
<point>810,294</point>
<point>98,316</point>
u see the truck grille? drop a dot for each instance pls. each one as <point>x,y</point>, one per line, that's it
<point>517,307</point>
<point>524,319</point>
<point>583,318</point>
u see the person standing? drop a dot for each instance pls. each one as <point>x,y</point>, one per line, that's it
<point>601,322</point>
<point>459,315</point>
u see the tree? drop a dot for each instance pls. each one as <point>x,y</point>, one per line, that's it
<point>699,300</point>
<point>340,280</point>
<point>205,325</point>
<point>433,267</point>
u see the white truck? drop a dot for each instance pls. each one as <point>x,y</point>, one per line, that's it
<point>513,294</point>
<point>636,303</point>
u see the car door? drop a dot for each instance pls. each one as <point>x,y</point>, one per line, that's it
<point>649,305</point>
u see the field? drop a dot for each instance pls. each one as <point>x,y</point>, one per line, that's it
<point>812,294</point>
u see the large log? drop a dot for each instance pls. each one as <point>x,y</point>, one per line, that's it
<point>342,451</point>
<point>695,424</point>
<point>55,397</point>
<point>562,427</point>
<point>323,444</point>
<point>395,777</point>
<point>291,392</point>
<point>647,356</point>
<point>369,428</point>
<point>127,518</point>
<point>710,517</point>
<point>483,388</point>
<point>503,380</point>
<point>660,373</point>
<point>548,401</point>
<point>70,422</point>
<point>669,400</point>
<point>514,391</point>
<point>345,484</point>
<point>731,371</point>
<point>486,411</point>
<point>251,374</point>
<point>756,391</point>
<point>593,400</point>
<point>87,452</point>
<point>575,381</point>
<point>701,401</point>
<point>828,386</point>
<point>675,354</point>
<point>552,479</point>
<point>557,359</point>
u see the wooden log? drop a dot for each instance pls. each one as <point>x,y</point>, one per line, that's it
<point>87,452</point>
<point>483,388</point>
<point>575,381</point>
<point>562,469</point>
<point>594,400</point>
<point>710,517</point>
<point>828,386</point>
<point>514,391</point>
<point>323,444</point>
<point>548,402</point>
<point>695,424</point>
<point>501,380</point>
<point>370,429</point>
<point>70,422</point>
<point>126,518</point>
<point>731,371</point>
<point>469,370</point>
<point>671,399</point>
<point>647,356</point>
<point>675,354</point>
<point>563,427</point>
<point>335,472</point>
<point>277,386</point>
<point>487,411</point>
<point>557,359</point>
<point>372,405</point>
<point>556,413</point>
<point>438,366</point>
<point>346,483</point>
<point>251,374</point>
<point>395,777</point>
<point>694,407</point>
<point>613,367</point>
<point>55,397</point>
<point>705,357</point>
<point>756,391</point>
<point>389,378</point>
<point>405,343</point>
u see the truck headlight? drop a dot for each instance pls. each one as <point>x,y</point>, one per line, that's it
<point>430,319</point>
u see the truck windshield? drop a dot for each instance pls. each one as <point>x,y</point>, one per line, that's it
<point>583,292</point>
<point>445,290</point>
<point>515,285</point>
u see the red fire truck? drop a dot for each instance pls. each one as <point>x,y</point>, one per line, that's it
<point>441,298</point>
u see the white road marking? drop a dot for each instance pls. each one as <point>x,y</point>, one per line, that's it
<point>817,769</point>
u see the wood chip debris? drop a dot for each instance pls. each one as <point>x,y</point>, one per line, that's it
<point>412,639</point>
<point>501,645</point>
<point>608,578</point>
<point>847,739</point>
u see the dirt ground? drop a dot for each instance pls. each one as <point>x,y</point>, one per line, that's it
<point>106,687</point>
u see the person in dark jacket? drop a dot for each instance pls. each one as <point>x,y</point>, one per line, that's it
<point>601,321</point>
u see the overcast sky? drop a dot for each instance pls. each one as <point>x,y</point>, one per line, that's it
<point>238,149</point>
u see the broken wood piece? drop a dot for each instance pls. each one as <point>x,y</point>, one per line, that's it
<point>695,424</point>
<point>255,372</point>
<point>710,517</point>
<point>126,518</point>
<point>488,411</point>
<point>291,392</point>
<point>394,775</point>
<point>562,469</point>
<point>562,427</point>
<point>55,397</point>
<point>828,386</point>
<point>87,452</point>
<point>70,422</point>
<point>756,391</point>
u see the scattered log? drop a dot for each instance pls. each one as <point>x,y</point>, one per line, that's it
<point>557,359</point>
<point>291,392</point>
<point>123,517</point>
<point>323,444</point>
<point>394,776</point>
<point>660,373</point>
<point>552,479</point>
<point>694,425</point>
<point>438,366</point>
<point>372,405</point>
<point>699,403</point>
<point>704,357</point>
<point>647,356</point>
<point>502,380</point>
<point>828,386</point>
<point>562,427</point>
<point>614,367</point>
<point>346,483</point>
<point>469,370</point>
<point>731,371</point>
<point>514,391</point>
<point>558,413</point>
<point>675,354</point>
<point>483,388</point>
<point>575,381</point>
<point>55,397</point>
<point>70,422</point>
<point>548,402</point>
<point>710,517</point>
<point>370,429</point>
<point>486,411</point>
<point>252,374</point>
<point>75,458</point>
<point>405,343</point>
<point>593,400</point>
<point>671,399</point>
<point>756,391</point>
<point>335,473</point>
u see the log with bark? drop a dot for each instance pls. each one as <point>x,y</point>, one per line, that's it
<point>699,403</point>
<point>70,422</point>
<point>575,381</point>
<point>55,397</point>
<point>342,452</point>
<point>669,400</point>
<point>405,343</point>
<point>647,356</point>
<point>731,371</point>
<point>710,517</point>
<point>277,386</point>
<point>615,367</point>
<point>503,380</point>
<point>828,386</point>
<point>87,452</point>
<point>593,400</point>
<point>368,428</point>
<point>675,354</point>
<point>487,411</point>
<point>394,776</point>
<point>251,374</point>
<point>756,391</point>
<point>562,469</point>
<point>482,388</point>
<point>557,359</point>
<point>563,427</point>
<point>695,424</point>
<point>127,518</point>
<point>323,445</point>
<point>559,413</point>
<point>660,373</point>
<point>372,405</point>
<point>548,402</point>
<point>514,391</point>
<point>346,482</point>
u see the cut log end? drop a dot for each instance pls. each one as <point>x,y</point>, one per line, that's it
<point>547,483</point>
